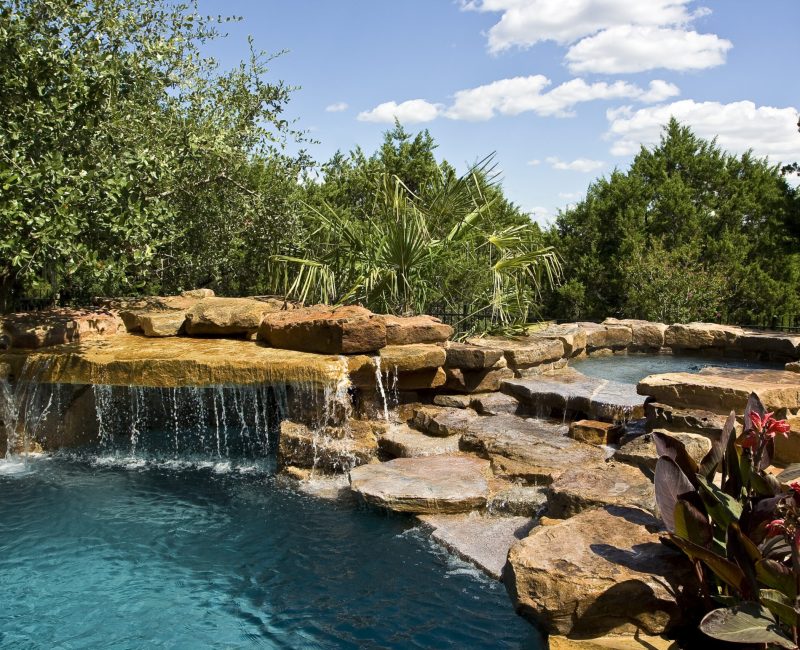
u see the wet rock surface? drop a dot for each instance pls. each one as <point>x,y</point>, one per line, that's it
<point>603,571</point>
<point>429,485</point>
<point>481,539</point>
<point>411,358</point>
<point>573,392</point>
<point>330,449</point>
<point>496,404</point>
<point>401,441</point>
<point>441,421</point>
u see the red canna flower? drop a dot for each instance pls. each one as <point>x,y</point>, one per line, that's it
<point>776,527</point>
<point>768,425</point>
<point>750,441</point>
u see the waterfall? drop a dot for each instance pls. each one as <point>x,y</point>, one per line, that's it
<point>381,390</point>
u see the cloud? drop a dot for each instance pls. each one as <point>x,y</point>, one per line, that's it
<point>541,215</point>
<point>584,165</point>
<point>607,36</point>
<point>630,48</point>
<point>338,107</point>
<point>534,163</point>
<point>523,94</point>
<point>408,112</point>
<point>738,127</point>
<point>569,196</point>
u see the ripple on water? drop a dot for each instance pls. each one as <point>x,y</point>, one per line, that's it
<point>194,554</point>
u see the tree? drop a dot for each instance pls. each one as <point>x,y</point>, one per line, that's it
<point>688,232</point>
<point>127,160</point>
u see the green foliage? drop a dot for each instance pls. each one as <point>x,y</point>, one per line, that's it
<point>743,536</point>
<point>127,160</point>
<point>689,232</point>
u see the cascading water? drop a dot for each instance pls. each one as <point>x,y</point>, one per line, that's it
<point>381,390</point>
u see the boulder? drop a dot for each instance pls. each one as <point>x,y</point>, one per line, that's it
<point>453,401</point>
<point>641,451</point>
<point>472,357</point>
<point>773,344</point>
<point>601,572</point>
<point>330,449</point>
<point>198,293</point>
<point>325,330</point>
<point>415,329</point>
<point>477,381</point>
<point>697,336</point>
<point>419,380</point>
<point>523,352</point>
<point>611,336</point>
<point>793,366</point>
<point>532,451</point>
<point>437,421</point>
<point>787,448</point>
<point>645,334</point>
<point>614,642</point>
<point>664,416</point>
<point>721,390</point>
<point>57,326</point>
<point>569,391</point>
<point>597,486</point>
<point>162,323</point>
<point>480,539</point>
<point>495,404</point>
<point>571,335</point>
<point>593,432</point>
<point>428,485</point>
<point>401,441</point>
<point>410,358</point>
<point>228,316</point>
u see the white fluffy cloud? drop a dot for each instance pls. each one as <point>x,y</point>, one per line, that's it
<point>607,36</point>
<point>738,127</point>
<point>409,112</point>
<point>338,107</point>
<point>631,48</point>
<point>584,165</point>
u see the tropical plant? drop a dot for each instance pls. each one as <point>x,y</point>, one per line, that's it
<point>741,532</point>
<point>393,256</point>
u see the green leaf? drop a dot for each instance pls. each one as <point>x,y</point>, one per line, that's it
<point>722,507</point>
<point>780,605</point>
<point>723,568</point>
<point>745,623</point>
<point>776,575</point>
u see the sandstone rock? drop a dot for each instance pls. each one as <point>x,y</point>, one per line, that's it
<point>571,391</point>
<point>597,486</point>
<point>721,390</point>
<point>327,330</point>
<point>477,381</point>
<point>429,485</point>
<point>419,380</point>
<point>453,401</point>
<point>227,316</point>
<point>793,366</point>
<point>472,357</point>
<point>331,449</point>
<point>56,327</point>
<point>401,441</point>
<point>600,572</point>
<point>523,352</point>
<point>774,344</point>
<point>533,451</point>
<point>641,451</point>
<point>571,335</point>
<point>613,642</point>
<point>645,334</point>
<point>663,416</point>
<point>495,404</point>
<point>162,323</point>
<point>607,336</point>
<point>519,500</point>
<point>480,539</point>
<point>415,329</point>
<point>410,358</point>
<point>593,432</point>
<point>438,421</point>
<point>198,293</point>
<point>696,336</point>
<point>787,448</point>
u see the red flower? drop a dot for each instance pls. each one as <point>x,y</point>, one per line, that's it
<point>768,425</point>
<point>775,527</point>
<point>795,486</point>
<point>750,441</point>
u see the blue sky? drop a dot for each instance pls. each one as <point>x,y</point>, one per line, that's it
<point>562,90</point>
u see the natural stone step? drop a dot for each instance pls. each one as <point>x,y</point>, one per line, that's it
<point>477,381</point>
<point>401,441</point>
<point>523,352</point>
<point>441,421</point>
<point>331,449</point>
<point>453,401</point>
<point>517,499</point>
<point>229,316</point>
<point>607,336</point>
<point>571,391</point>
<point>534,451</point>
<point>641,451</point>
<point>429,485</point>
<point>481,539</point>
<point>571,335</point>
<point>777,345</point>
<point>613,642</point>
<point>697,336</point>
<point>472,357</point>
<point>415,329</point>
<point>604,484</point>
<point>410,358</point>
<point>162,323</point>
<point>601,572</point>
<point>664,416</point>
<point>721,390</point>
<point>495,404</point>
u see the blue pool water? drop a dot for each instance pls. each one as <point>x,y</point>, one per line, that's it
<point>101,553</point>
<point>631,369</point>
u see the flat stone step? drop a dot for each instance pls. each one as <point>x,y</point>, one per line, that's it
<point>428,485</point>
<point>721,390</point>
<point>571,391</point>
<point>401,441</point>
<point>480,539</point>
